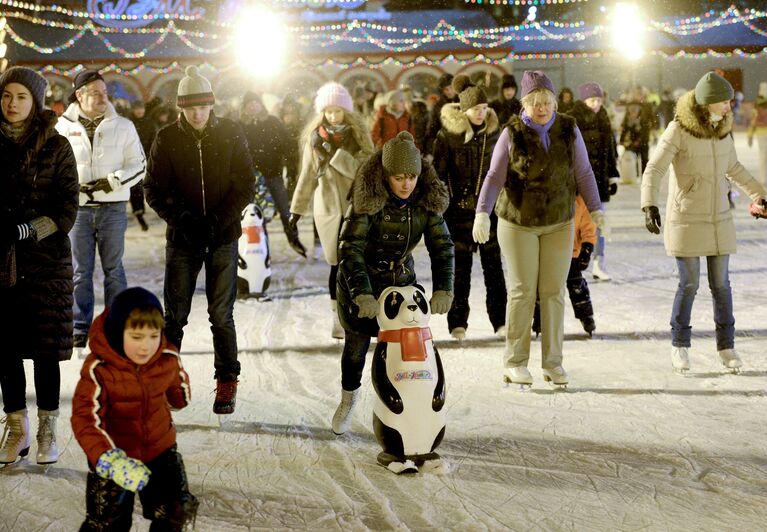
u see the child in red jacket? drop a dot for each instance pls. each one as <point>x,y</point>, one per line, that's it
<point>121,418</point>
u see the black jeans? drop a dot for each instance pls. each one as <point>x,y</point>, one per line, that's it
<point>165,500</point>
<point>182,266</point>
<point>353,359</point>
<point>579,293</point>
<point>13,383</point>
<point>280,196</point>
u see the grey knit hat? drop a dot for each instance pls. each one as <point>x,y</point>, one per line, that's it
<point>713,88</point>
<point>34,82</point>
<point>400,155</point>
<point>469,94</point>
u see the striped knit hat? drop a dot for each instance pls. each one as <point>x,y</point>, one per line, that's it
<point>194,89</point>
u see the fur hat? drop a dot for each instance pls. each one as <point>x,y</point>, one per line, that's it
<point>400,155</point>
<point>713,88</point>
<point>469,94</point>
<point>123,304</point>
<point>82,79</point>
<point>508,81</point>
<point>333,93</point>
<point>194,89</point>
<point>590,90</point>
<point>34,82</point>
<point>535,79</point>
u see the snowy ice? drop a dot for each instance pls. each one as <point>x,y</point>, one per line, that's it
<point>629,446</point>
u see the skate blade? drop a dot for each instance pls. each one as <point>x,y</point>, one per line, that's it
<point>557,385</point>
<point>734,371</point>
<point>223,419</point>
<point>518,386</point>
<point>681,371</point>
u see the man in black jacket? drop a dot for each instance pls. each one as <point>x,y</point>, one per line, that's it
<point>200,179</point>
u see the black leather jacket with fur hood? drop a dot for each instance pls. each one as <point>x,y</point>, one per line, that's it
<point>378,237</point>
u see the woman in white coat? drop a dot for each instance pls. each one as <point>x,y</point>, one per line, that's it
<point>699,146</point>
<point>335,143</point>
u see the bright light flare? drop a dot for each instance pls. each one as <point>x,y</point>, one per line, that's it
<point>260,42</point>
<point>628,27</point>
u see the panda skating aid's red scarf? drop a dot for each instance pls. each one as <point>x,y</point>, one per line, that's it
<point>412,342</point>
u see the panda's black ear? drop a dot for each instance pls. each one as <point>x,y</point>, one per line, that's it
<point>392,303</point>
<point>420,300</point>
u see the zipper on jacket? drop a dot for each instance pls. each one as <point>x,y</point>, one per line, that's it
<point>715,196</point>
<point>202,178</point>
<point>144,406</point>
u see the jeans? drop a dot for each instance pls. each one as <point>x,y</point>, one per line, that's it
<point>13,383</point>
<point>599,249</point>
<point>719,283</point>
<point>182,265</point>
<point>101,228</point>
<point>353,359</point>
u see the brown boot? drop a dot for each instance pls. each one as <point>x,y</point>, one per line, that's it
<point>226,395</point>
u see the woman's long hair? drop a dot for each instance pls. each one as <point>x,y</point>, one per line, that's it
<point>351,118</point>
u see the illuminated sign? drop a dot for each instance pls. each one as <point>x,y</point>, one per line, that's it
<point>132,13</point>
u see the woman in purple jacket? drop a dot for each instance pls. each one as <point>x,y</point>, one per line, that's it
<point>539,164</point>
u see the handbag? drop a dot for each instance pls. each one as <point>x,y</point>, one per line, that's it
<point>8,267</point>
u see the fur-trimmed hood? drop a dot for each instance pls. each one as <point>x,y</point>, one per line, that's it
<point>456,122</point>
<point>369,192</point>
<point>695,120</point>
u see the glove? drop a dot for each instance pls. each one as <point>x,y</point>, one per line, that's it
<point>758,209</point>
<point>321,147</point>
<point>598,217</point>
<point>652,219</point>
<point>613,182</point>
<point>128,473</point>
<point>368,306</point>
<point>293,221</point>
<point>441,301</point>
<point>91,188</point>
<point>294,241</point>
<point>584,257</point>
<point>481,229</point>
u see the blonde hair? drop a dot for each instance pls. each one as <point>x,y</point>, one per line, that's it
<point>538,96</point>
<point>149,317</point>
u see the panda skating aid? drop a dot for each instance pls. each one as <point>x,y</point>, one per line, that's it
<point>253,261</point>
<point>407,375</point>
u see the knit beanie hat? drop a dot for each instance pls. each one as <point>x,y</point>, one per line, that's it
<point>400,156</point>
<point>34,82</point>
<point>333,93</point>
<point>82,79</point>
<point>194,89</point>
<point>469,94</point>
<point>123,304</point>
<point>508,81</point>
<point>713,88</point>
<point>535,79</point>
<point>445,80</point>
<point>251,96</point>
<point>590,90</point>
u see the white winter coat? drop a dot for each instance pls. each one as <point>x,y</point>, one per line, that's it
<point>116,153</point>
<point>698,219</point>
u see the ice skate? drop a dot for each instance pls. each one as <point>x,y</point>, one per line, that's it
<point>730,360</point>
<point>337,331</point>
<point>589,325</point>
<point>47,450</point>
<point>557,376</point>
<point>342,419</point>
<point>459,333</point>
<point>226,396</point>
<point>519,376</point>
<point>397,465</point>
<point>680,359</point>
<point>500,332</point>
<point>598,271</point>
<point>15,437</point>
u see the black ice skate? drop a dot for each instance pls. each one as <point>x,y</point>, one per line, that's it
<point>589,325</point>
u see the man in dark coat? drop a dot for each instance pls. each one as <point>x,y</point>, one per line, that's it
<point>507,105</point>
<point>200,179</point>
<point>447,95</point>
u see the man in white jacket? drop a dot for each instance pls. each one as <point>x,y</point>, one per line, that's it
<point>110,160</point>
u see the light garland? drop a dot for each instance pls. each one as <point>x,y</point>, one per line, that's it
<point>523,2</point>
<point>74,13</point>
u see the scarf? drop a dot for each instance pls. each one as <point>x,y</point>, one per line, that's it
<point>334,134</point>
<point>541,130</point>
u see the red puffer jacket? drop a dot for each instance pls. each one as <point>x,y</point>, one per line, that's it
<point>118,404</point>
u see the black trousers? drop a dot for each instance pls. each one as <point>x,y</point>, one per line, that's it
<point>13,383</point>
<point>165,500</point>
<point>353,359</point>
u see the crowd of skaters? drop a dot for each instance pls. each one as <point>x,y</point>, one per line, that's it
<point>524,176</point>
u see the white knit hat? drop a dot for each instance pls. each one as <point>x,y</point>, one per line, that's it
<point>194,89</point>
<point>333,93</point>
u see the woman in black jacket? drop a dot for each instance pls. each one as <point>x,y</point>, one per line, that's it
<point>462,153</point>
<point>38,206</point>
<point>396,199</point>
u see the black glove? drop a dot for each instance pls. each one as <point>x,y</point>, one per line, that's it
<point>584,257</point>
<point>94,186</point>
<point>652,219</point>
<point>293,221</point>
<point>294,241</point>
<point>321,147</point>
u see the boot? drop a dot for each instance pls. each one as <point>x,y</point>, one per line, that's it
<point>15,437</point>
<point>141,221</point>
<point>47,450</point>
<point>517,375</point>
<point>598,270</point>
<point>338,331</point>
<point>680,359</point>
<point>730,359</point>
<point>226,396</point>
<point>556,375</point>
<point>342,419</point>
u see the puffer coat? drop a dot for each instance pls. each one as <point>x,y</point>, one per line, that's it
<point>39,178</point>
<point>702,155</point>
<point>378,237</point>
<point>600,143</point>
<point>118,404</point>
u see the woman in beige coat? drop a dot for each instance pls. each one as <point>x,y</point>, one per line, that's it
<point>699,146</point>
<point>336,142</point>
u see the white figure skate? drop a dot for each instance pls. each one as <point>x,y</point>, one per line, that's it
<point>680,360</point>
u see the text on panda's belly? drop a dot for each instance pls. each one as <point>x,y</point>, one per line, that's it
<point>420,375</point>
